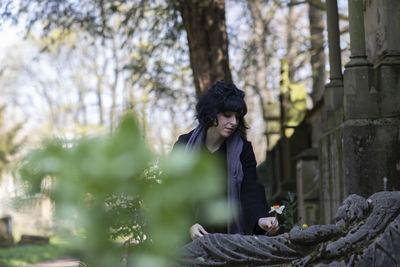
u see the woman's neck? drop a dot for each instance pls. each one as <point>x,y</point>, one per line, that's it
<point>213,140</point>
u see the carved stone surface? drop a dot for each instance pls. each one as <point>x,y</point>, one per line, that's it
<point>382,22</point>
<point>366,233</point>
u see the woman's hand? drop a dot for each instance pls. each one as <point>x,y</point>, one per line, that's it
<point>269,224</point>
<point>197,231</point>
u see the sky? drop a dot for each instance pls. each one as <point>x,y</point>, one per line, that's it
<point>11,35</point>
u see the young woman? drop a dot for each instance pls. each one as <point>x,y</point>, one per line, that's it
<point>222,131</point>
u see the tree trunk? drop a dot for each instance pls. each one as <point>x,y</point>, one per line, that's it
<point>100,73</point>
<point>81,108</point>
<point>204,22</point>
<point>262,55</point>
<point>259,37</point>
<point>290,42</point>
<point>115,82</point>
<point>315,15</point>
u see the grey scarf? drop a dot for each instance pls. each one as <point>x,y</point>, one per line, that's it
<point>234,146</point>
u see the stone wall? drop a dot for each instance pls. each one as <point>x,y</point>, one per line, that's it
<point>360,146</point>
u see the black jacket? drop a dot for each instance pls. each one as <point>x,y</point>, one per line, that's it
<point>253,200</point>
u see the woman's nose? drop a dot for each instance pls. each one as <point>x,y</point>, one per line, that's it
<point>234,120</point>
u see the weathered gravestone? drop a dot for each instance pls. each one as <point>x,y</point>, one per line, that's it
<point>6,237</point>
<point>366,233</point>
<point>34,240</point>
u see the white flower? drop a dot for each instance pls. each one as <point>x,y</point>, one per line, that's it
<point>276,208</point>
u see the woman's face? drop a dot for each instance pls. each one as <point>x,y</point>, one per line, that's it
<point>227,123</point>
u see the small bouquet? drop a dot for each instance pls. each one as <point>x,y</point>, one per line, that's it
<point>277,209</point>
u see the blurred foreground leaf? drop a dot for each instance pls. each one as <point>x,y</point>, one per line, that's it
<point>113,188</point>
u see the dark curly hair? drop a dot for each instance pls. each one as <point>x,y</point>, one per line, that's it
<point>221,97</point>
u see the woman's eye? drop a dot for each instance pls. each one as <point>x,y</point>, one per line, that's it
<point>230,114</point>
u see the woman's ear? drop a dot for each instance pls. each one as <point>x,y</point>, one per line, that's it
<point>215,123</point>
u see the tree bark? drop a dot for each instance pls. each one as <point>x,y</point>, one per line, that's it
<point>204,22</point>
<point>259,37</point>
<point>114,85</point>
<point>100,73</point>
<point>263,54</point>
<point>81,107</point>
<point>290,42</point>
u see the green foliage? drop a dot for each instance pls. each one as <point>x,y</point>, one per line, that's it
<point>289,214</point>
<point>130,223</point>
<point>295,105</point>
<point>113,187</point>
<point>25,255</point>
<point>8,144</point>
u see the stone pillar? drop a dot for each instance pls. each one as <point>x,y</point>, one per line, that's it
<point>330,150</point>
<point>357,34</point>
<point>359,151</point>
<point>359,100</point>
<point>335,61</point>
<point>333,95</point>
<point>371,132</point>
<point>359,93</point>
<point>307,185</point>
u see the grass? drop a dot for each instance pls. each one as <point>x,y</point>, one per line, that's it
<point>25,255</point>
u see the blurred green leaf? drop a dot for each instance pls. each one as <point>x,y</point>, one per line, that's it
<point>112,188</point>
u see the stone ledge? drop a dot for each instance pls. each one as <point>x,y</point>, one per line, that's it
<point>366,233</point>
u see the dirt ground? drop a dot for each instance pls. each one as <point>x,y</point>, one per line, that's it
<point>65,262</point>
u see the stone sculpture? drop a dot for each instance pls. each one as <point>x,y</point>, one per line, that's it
<point>366,233</point>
